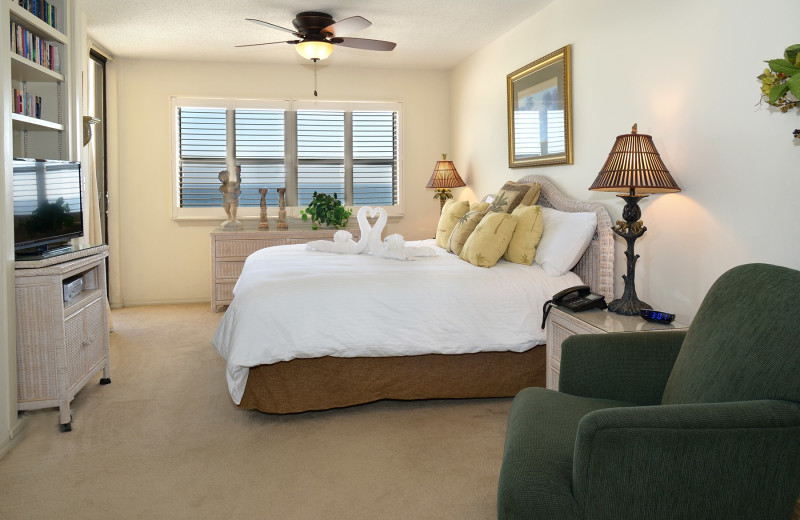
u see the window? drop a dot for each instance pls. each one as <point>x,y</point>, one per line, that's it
<point>351,149</point>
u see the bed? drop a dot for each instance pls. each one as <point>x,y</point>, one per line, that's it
<point>290,351</point>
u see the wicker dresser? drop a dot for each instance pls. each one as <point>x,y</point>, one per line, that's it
<point>229,250</point>
<point>60,345</point>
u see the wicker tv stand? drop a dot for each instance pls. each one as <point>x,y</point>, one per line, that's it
<point>60,345</point>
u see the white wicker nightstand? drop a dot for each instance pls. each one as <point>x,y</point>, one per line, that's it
<point>563,323</point>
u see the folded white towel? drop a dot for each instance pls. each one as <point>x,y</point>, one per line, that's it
<point>370,242</point>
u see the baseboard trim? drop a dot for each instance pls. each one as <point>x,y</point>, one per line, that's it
<point>142,303</point>
<point>17,434</point>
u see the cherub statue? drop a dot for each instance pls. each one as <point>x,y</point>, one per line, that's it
<point>230,190</point>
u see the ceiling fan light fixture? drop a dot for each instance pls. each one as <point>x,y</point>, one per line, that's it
<point>314,50</point>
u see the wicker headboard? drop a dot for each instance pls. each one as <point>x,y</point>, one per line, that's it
<point>596,266</point>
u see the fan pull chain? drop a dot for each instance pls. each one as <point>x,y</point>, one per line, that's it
<point>315,60</point>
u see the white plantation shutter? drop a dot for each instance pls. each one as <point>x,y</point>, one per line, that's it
<point>260,151</point>
<point>202,152</point>
<point>374,158</point>
<point>348,149</point>
<point>320,154</point>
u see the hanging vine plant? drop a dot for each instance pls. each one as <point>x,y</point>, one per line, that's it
<point>780,82</point>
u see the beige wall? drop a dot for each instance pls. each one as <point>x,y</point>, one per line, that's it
<point>685,71</point>
<point>156,259</point>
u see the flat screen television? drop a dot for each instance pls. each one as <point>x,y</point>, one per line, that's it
<point>48,207</point>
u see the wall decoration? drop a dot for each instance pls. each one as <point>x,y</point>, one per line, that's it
<point>780,82</point>
<point>540,111</point>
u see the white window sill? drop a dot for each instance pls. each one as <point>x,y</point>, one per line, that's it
<point>219,216</point>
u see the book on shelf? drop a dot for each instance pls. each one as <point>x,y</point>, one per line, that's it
<point>41,9</point>
<point>27,104</point>
<point>30,46</point>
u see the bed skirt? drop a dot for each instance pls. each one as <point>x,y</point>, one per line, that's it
<point>329,382</point>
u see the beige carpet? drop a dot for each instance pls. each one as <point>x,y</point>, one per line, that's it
<point>164,440</point>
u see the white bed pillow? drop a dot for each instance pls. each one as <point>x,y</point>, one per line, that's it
<point>566,236</point>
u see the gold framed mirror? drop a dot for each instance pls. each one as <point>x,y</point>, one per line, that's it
<point>540,111</point>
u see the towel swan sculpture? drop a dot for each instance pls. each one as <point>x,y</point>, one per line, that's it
<point>370,242</point>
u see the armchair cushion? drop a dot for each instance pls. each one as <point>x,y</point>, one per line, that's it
<point>630,367</point>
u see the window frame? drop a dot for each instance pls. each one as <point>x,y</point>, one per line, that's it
<point>291,107</point>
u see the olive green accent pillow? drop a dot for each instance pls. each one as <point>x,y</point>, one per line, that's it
<point>532,196</point>
<point>479,206</point>
<point>527,234</point>
<point>509,197</point>
<point>451,212</point>
<point>486,245</point>
<point>464,228</point>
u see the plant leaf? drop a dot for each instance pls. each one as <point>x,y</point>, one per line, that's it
<point>794,86</point>
<point>783,66</point>
<point>791,53</point>
<point>777,92</point>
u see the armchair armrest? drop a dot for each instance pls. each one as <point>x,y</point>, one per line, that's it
<point>717,460</point>
<point>624,366</point>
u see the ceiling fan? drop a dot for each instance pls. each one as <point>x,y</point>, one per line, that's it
<point>318,33</point>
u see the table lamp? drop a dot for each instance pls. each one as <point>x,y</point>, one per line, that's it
<point>444,177</point>
<point>635,170</point>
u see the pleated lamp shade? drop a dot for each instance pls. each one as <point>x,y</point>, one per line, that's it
<point>634,167</point>
<point>445,175</point>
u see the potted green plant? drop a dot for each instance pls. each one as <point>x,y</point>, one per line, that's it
<point>327,211</point>
<point>780,83</point>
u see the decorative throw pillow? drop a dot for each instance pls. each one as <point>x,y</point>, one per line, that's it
<point>479,206</point>
<point>566,236</point>
<point>527,234</point>
<point>464,228</point>
<point>532,196</point>
<point>509,197</point>
<point>489,241</point>
<point>451,212</point>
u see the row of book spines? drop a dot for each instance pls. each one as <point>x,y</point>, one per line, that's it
<point>41,9</point>
<point>27,104</point>
<point>30,46</point>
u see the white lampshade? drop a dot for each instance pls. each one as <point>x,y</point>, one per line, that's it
<point>314,50</point>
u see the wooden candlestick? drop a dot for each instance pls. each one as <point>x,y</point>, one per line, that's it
<point>282,209</point>
<point>263,224</point>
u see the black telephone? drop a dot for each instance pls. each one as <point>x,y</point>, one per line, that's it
<point>577,299</point>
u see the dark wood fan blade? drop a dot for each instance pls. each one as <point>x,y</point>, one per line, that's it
<point>290,42</point>
<point>273,26</point>
<point>347,26</point>
<point>364,43</point>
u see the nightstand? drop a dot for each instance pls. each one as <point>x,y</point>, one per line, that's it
<point>563,323</point>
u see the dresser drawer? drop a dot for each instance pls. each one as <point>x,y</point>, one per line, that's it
<point>228,269</point>
<point>223,292</point>
<point>243,248</point>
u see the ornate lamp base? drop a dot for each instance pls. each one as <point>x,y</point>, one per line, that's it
<point>442,194</point>
<point>630,229</point>
<point>629,307</point>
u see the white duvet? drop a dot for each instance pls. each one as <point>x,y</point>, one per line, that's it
<point>292,303</point>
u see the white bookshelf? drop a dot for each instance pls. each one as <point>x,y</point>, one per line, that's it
<point>41,137</point>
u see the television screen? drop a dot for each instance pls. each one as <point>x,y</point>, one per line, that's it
<point>48,207</point>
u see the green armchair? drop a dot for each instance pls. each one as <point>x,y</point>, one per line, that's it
<point>701,424</point>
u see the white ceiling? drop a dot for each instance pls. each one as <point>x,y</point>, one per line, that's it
<point>431,34</point>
